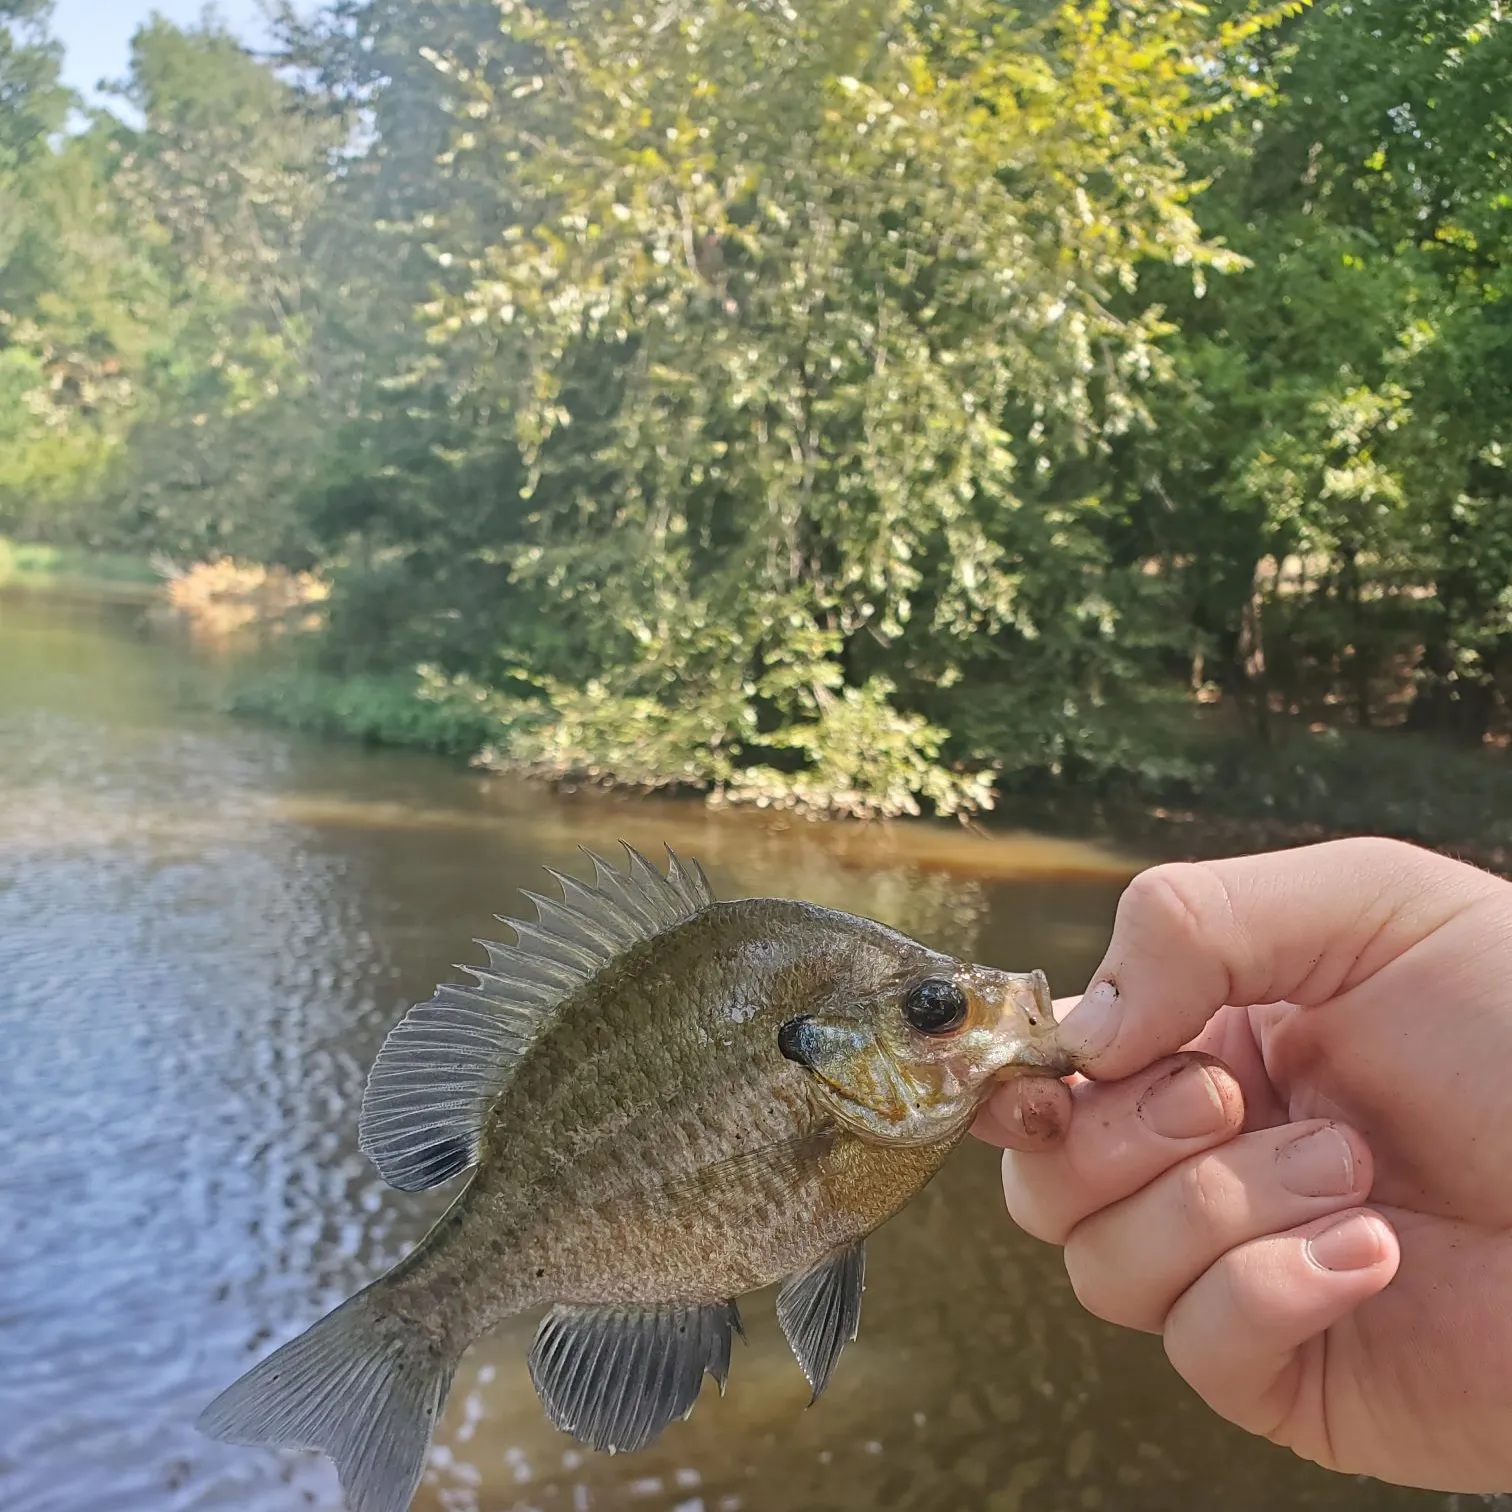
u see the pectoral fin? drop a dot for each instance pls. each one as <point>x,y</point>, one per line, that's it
<point>820,1312</point>
<point>614,1377</point>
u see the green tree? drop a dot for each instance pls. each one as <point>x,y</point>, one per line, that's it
<point>226,182</point>
<point>1345,403</point>
<point>796,310</point>
<point>33,106</point>
<point>850,406</point>
<point>61,382</point>
<point>160,304</point>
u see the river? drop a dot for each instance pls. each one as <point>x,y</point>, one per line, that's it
<point>207,927</point>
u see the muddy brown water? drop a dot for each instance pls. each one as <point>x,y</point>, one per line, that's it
<point>207,927</point>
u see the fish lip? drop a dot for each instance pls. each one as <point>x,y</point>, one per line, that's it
<point>1037,1048</point>
<point>1039,984</point>
<point>1053,1063</point>
<point>1049,1060</point>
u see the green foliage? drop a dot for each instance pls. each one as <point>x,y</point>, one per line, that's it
<point>33,103</point>
<point>152,336</point>
<point>1345,403</point>
<point>793,310</point>
<point>375,710</point>
<point>40,564</point>
<point>863,758</point>
<point>858,407</point>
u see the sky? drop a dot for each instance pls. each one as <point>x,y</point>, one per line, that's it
<point>96,34</point>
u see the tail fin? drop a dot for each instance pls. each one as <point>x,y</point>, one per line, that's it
<point>361,1385</point>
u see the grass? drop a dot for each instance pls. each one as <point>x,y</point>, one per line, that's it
<point>33,565</point>
<point>387,710</point>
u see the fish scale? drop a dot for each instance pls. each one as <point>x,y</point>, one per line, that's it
<point>662,1103</point>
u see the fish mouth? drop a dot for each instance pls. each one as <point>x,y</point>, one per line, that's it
<point>1039,985</point>
<point>925,1094</point>
<point>1037,1060</point>
<point>1039,1051</point>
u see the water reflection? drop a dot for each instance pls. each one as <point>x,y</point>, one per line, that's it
<point>205,930</point>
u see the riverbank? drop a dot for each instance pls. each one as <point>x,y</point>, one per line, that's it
<point>380,711</point>
<point>26,564</point>
<point>1234,794</point>
<point>1306,785</point>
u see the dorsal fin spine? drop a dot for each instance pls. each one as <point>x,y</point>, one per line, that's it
<point>578,897</point>
<point>510,961</point>
<point>536,936</point>
<point>609,881</point>
<point>568,922</point>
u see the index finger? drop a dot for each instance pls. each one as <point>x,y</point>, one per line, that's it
<point>1300,925</point>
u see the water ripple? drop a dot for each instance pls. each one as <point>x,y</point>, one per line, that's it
<point>205,931</point>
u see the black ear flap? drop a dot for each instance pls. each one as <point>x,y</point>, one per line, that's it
<point>815,1042</point>
<point>797,1041</point>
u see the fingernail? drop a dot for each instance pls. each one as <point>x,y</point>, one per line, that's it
<point>1320,1164</point>
<point>1089,1028</point>
<point>1353,1243</point>
<point>1183,1105</point>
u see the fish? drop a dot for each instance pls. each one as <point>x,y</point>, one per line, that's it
<point>661,1103</point>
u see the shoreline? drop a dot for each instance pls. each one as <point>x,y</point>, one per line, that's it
<point>1164,834</point>
<point>1408,787</point>
<point>36,567</point>
<point>1310,786</point>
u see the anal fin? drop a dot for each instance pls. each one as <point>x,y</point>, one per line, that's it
<point>820,1313</point>
<point>614,1377</point>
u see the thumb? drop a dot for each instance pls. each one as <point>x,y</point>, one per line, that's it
<point>1299,926</point>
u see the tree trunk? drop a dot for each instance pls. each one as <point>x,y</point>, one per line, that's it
<point>1359,659</point>
<point>1252,656</point>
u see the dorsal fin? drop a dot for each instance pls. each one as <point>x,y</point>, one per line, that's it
<point>445,1063</point>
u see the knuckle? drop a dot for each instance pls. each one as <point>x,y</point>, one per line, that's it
<point>1188,908</point>
<point>1178,894</point>
<point>1388,864</point>
<point>1381,850</point>
<point>1204,1190</point>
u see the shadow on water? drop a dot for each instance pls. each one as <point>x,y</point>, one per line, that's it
<point>205,931</point>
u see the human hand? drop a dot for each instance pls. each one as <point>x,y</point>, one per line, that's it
<point>1344,1017</point>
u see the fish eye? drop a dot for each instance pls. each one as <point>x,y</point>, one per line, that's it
<point>934,1006</point>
